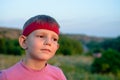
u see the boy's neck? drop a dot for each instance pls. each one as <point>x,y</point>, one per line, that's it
<point>34,64</point>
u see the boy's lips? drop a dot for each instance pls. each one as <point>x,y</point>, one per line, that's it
<point>46,50</point>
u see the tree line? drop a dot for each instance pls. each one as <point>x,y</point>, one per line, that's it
<point>68,46</point>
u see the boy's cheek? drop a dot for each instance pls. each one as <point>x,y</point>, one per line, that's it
<point>58,45</point>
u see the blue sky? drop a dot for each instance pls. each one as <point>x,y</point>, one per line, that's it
<point>91,17</point>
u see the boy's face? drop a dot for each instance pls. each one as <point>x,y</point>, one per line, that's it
<point>42,44</point>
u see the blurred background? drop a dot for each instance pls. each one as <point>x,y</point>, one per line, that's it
<point>89,40</point>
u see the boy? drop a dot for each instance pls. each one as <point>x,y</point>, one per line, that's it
<point>40,40</point>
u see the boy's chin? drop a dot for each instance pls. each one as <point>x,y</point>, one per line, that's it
<point>43,57</point>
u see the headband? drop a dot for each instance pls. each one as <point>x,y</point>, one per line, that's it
<point>34,26</point>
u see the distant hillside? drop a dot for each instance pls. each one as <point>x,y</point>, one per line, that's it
<point>9,33</point>
<point>14,34</point>
<point>86,38</point>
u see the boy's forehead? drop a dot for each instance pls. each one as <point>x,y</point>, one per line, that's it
<point>45,31</point>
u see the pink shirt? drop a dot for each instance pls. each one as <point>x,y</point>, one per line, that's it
<point>20,72</point>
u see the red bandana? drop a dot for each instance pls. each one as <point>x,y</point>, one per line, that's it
<point>34,26</point>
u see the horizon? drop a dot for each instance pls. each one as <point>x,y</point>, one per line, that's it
<point>66,33</point>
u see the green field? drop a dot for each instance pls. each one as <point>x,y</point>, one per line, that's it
<point>75,67</point>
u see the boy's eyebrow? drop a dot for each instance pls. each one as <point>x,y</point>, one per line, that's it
<point>41,32</point>
<point>56,35</point>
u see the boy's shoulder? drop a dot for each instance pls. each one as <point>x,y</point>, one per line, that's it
<point>54,69</point>
<point>9,71</point>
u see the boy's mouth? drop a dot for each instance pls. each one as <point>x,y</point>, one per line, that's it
<point>46,50</point>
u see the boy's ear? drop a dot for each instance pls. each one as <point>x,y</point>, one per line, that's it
<point>22,41</point>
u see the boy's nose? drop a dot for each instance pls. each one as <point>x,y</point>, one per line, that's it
<point>47,42</point>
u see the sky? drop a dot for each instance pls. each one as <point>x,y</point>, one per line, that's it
<point>100,18</point>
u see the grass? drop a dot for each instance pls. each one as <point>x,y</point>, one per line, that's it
<point>8,60</point>
<point>75,67</point>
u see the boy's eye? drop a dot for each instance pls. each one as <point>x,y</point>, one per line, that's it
<point>40,36</point>
<point>55,39</point>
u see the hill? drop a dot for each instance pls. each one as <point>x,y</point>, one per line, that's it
<point>14,34</point>
<point>86,38</point>
<point>9,33</point>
